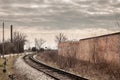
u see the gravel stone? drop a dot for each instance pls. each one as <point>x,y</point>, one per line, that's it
<point>31,73</point>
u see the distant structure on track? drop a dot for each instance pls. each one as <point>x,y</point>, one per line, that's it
<point>100,49</point>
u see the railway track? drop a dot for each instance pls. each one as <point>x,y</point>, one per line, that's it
<point>57,74</point>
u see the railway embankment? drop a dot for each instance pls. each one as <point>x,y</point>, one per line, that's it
<point>101,71</point>
<point>25,72</point>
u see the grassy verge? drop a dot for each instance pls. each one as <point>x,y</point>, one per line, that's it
<point>9,67</point>
<point>100,71</point>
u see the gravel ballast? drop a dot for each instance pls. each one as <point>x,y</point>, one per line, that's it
<point>29,72</point>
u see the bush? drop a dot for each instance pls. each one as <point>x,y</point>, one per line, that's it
<point>41,49</point>
<point>34,49</point>
<point>97,70</point>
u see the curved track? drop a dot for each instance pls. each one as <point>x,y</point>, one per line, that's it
<point>50,71</point>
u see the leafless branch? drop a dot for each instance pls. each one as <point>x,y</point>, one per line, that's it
<point>60,38</point>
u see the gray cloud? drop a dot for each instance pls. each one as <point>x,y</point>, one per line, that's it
<point>60,14</point>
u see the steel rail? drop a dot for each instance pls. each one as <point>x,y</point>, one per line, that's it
<point>48,70</point>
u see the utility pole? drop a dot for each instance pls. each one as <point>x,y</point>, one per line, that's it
<point>11,30</point>
<point>3,52</point>
<point>3,41</point>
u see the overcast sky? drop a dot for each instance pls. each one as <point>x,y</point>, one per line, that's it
<point>38,18</point>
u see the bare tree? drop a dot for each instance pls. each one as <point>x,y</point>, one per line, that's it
<point>17,45</point>
<point>28,45</point>
<point>19,40</point>
<point>39,43</point>
<point>117,21</point>
<point>60,38</point>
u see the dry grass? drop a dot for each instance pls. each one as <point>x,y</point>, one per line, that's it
<point>10,68</point>
<point>99,71</point>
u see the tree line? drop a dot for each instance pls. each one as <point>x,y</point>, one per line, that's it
<point>16,46</point>
<point>19,40</point>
